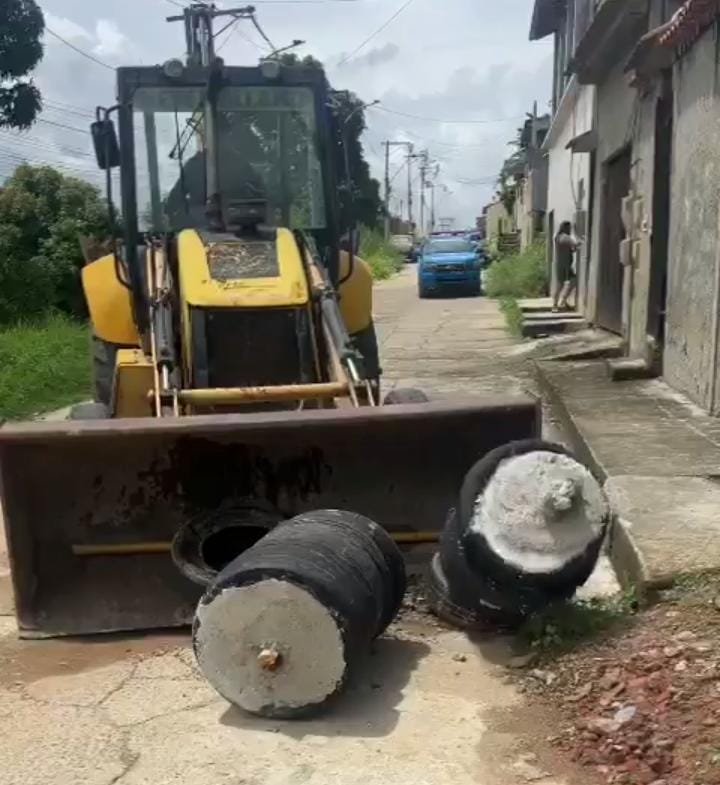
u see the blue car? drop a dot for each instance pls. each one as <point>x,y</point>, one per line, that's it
<point>449,264</point>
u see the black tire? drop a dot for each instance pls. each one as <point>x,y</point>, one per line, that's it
<point>482,598</point>
<point>482,558</point>
<point>423,293</point>
<point>367,344</point>
<point>103,354</point>
<point>405,395</point>
<point>89,411</point>
<point>475,290</point>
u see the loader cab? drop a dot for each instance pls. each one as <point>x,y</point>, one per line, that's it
<point>198,145</point>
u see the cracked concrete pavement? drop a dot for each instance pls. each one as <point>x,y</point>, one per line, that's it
<point>430,706</point>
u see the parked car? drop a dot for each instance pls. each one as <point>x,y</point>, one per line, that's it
<point>402,243</point>
<point>449,264</point>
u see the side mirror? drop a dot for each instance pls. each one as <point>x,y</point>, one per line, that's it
<point>107,150</point>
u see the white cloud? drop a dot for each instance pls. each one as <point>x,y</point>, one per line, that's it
<point>110,41</point>
<point>459,60</point>
<point>65,28</point>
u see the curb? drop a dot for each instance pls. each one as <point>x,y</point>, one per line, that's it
<point>626,559</point>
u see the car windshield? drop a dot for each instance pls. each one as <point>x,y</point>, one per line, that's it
<point>266,140</point>
<point>455,245</point>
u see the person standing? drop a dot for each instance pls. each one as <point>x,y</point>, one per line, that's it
<point>566,246</point>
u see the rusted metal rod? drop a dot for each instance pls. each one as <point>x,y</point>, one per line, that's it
<point>146,548</point>
<point>223,396</point>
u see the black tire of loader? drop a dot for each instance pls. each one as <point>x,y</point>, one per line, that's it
<point>405,395</point>
<point>482,559</point>
<point>103,354</point>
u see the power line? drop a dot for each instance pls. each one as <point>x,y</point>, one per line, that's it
<point>51,106</point>
<point>376,32</point>
<point>444,120</point>
<point>78,50</point>
<point>63,125</point>
<point>42,144</point>
<point>262,33</point>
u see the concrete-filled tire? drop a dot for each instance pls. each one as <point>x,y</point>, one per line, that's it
<point>556,574</point>
<point>405,395</point>
<point>103,353</point>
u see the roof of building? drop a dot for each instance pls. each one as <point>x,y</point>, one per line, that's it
<point>682,30</point>
<point>688,22</point>
<point>545,18</point>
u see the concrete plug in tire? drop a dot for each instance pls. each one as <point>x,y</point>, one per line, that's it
<point>405,395</point>
<point>533,516</point>
<point>278,629</point>
<point>527,532</point>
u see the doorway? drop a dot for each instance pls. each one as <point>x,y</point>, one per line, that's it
<point>610,282</point>
<point>659,248</point>
<point>550,252</point>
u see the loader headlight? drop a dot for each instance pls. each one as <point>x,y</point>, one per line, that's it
<point>270,69</point>
<point>173,69</point>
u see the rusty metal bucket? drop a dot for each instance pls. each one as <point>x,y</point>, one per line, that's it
<point>92,507</point>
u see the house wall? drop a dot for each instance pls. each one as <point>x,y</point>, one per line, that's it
<point>498,220</point>
<point>690,356</point>
<point>615,122</point>
<point>568,173</point>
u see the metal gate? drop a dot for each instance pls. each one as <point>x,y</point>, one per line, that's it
<point>615,187</point>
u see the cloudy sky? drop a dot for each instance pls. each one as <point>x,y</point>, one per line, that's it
<point>463,69</point>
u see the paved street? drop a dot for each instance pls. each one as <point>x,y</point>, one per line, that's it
<point>429,708</point>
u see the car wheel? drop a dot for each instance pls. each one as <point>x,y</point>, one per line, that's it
<point>474,289</point>
<point>423,293</point>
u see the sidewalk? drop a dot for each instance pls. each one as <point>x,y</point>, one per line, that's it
<point>660,457</point>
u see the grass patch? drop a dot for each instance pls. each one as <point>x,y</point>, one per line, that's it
<point>513,315</point>
<point>519,275</point>
<point>562,627</point>
<point>383,259</point>
<point>44,366</point>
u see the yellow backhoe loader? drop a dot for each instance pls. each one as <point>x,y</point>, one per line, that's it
<point>236,365</point>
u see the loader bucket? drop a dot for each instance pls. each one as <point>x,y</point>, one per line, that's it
<point>91,507</point>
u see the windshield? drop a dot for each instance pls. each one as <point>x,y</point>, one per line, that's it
<point>266,151</point>
<point>457,245</point>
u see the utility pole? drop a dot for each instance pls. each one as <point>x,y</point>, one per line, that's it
<point>388,144</point>
<point>387,189</point>
<point>424,159</point>
<point>409,187</point>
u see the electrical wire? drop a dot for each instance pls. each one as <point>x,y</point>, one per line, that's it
<point>262,33</point>
<point>381,108</point>
<point>63,125</point>
<point>78,50</point>
<point>376,32</point>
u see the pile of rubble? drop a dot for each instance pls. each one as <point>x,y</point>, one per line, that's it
<point>644,708</point>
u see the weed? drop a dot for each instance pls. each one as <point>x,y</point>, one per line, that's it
<point>513,315</point>
<point>383,259</point>
<point>565,625</point>
<point>45,365</point>
<point>520,275</point>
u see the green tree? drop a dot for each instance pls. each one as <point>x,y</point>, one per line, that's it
<point>21,25</point>
<point>359,192</point>
<point>42,215</point>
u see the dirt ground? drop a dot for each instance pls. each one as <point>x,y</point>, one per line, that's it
<point>643,705</point>
<point>430,705</point>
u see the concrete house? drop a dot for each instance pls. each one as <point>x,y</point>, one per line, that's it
<point>569,143</point>
<point>674,201</point>
<point>532,183</point>
<point>652,151</point>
